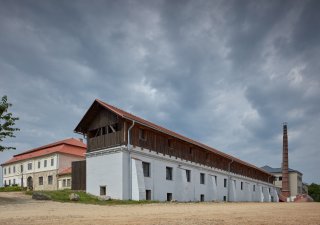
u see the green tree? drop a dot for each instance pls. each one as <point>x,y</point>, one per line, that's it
<point>7,121</point>
<point>314,191</point>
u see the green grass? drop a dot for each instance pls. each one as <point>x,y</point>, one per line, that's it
<point>11,189</point>
<point>63,196</point>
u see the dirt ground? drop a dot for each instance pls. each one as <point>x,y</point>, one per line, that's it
<point>17,208</point>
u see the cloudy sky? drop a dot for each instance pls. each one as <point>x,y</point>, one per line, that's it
<point>225,73</point>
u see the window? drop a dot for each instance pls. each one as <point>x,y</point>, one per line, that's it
<point>39,164</point>
<point>146,169</point>
<point>14,169</point>
<point>148,194</point>
<point>64,183</point>
<point>254,187</point>
<point>5,183</point>
<point>269,190</point>
<point>9,182</point>
<point>50,179</point>
<point>241,186</point>
<point>103,190</point>
<point>5,171</point>
<point>52,162</point>
<point>202,178</point>
<point>9,170</point>
<point>225,183</point>
<point>202,197</point>
<point>170,143</point>
<point>29,166</point>
<point>188,175</point>
<point>225,198</point>
<point>280,178</point>
<point>190,150</point>
<point>40,180</point>
<point>21,168</point>
<point>169,197</point>
<point>45,163</point>
<point>14,181</point>
<point>68,182</point>
<point>169,173</point>
<point>142,135</point>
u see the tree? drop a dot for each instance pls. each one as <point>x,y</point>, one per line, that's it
<point>314,191</point>
<point>7,121</point>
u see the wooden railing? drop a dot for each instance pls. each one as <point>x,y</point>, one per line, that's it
<point>104,141</point>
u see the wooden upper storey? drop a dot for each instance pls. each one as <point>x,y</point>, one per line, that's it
<point>107,126</point>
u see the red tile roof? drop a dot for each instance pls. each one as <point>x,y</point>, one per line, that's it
<point>144,122</point>
<point>69,146</point>
<point>66,171</point>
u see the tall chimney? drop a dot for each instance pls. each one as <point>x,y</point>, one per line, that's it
<point>285,191</point>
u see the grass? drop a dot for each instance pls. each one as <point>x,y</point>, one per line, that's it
<point>11,189</point>
<point>63,196</point>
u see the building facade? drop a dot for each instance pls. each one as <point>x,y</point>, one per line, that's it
<point>39,168</point>
<point>131,158</point>
<point>295,180</point>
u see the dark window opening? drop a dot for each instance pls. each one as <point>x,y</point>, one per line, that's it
<point>170,143</point>
<point>202,197</point>
<point>39,164</point>
<point>241,185</point>
<point>45,163</point>
<point>52,162</point>
<point>112,128</point>
<point>29,166</point>
<point>188,174</point>
<point>225,183</point>
<point>190,150</point>
<point>50,179</point>
<point>103,190</point>
<point>225,198</point>
<point>40,180</point>
<point>202,178</point>
<point>21,168</point>
<point>148,194</point>
<point>254,187</point>
<point>169,173</point>
<point>146,169</point>
<point>169,197</point>
<point>142,135</point>
<point>280,178</point>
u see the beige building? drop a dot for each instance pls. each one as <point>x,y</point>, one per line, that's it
<point>295,179</point>
<point>44,168</point>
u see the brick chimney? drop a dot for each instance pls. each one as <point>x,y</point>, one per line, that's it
<point>285,191</point>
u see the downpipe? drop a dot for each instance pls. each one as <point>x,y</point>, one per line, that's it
<point>130,163</point>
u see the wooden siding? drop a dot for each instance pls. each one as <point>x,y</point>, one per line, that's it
<point>105,141</point>
<point>78,175</point>
<point>159,142</point>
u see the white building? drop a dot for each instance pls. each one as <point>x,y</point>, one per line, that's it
<point>159,164</point>
<point>40,168</point>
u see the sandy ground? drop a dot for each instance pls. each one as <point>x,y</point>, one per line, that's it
<point>17,208</point>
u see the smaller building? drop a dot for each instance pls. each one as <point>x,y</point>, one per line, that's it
<point>295,179</point>
<point>44,168</point>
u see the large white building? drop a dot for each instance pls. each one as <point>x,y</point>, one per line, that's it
<point>44,168</point>
<point>131,158</point>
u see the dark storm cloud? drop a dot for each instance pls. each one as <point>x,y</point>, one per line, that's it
<point>226,73</point>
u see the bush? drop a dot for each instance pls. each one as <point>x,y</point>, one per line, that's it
<point>314,191</point>
<point>12,188</point>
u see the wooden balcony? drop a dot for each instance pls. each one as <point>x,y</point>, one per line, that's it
<point>105,141</point>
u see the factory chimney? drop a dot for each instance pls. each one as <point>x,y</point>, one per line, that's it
<point>285,164</point>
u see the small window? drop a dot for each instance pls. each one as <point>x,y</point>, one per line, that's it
<point>146,169</point>
<point>254,187</point>
<point>40,180</point>
<point>45,163</point>
<point>39,164</point>
<point>202,178</point>
<point>103,190</point>
<point>14,181</point>
<point>169,197</point>
<point>5,171</point>
<point>142,134</point>
<point>225,183</point>
<point>9,170</point>
<point>52,162</point>
<point>280,178</point>
<point>14,169</point>
<point>188,175</point>
<point>148,194</point>
<point>21,168</point>
<point>64,182</point>
<point>225,198</point>
<point>9,182</point>
<point>269,190</point>
<point>202,197</point>
<point>29,166</point>
<point>50,179</point>
<point>241,185</point>
<point>190,150</point>
<point>5,183</point>
<point>169,173</point>
<point>170,143</point>
<point>68,182</point>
